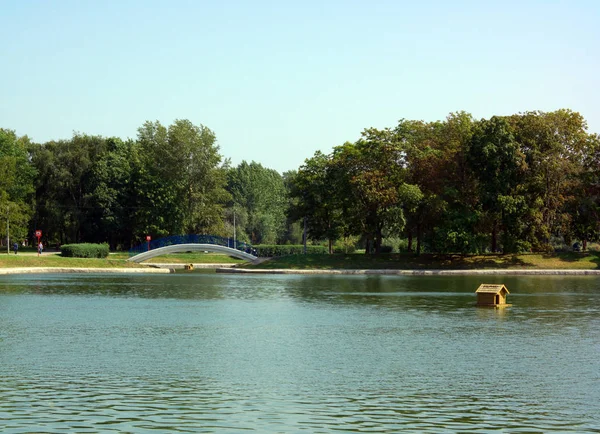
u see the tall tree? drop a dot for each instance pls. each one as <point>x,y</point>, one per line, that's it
<point>109,195</point>
<point>498,165</point>
<point>16,185</point>
<point>375,173</point>
<point>179,180</point>
<point>318,199</point>
<point>62,187</point>
<point>554,145</point>
<point>260,192</point>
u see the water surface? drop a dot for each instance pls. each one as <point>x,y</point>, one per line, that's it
<point>229,353</point>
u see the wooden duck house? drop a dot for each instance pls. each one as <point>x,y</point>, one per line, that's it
<point>492,295</point>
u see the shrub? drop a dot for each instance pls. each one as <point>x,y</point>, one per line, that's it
<point>85,250</point>
<point>385,249</point>
<point>266,250</point>
<point>345,245</point>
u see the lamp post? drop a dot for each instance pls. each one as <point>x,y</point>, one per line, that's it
<point>7,229</point>
<point>304,235</point>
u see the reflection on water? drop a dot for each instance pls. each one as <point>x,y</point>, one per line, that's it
<point>209,352</point>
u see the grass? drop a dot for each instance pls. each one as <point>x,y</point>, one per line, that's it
<point>186,258</point>
<point>569,260</point>
<point>51,260</point>
<point>115,260</point>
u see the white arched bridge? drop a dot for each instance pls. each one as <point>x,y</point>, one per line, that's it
<point>192,243</point>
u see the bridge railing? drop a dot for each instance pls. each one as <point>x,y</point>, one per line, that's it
<point>192,239</point>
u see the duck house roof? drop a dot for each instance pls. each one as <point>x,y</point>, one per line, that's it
<point>491,289</point>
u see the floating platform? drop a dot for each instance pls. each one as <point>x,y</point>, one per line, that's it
<point>495,306</point>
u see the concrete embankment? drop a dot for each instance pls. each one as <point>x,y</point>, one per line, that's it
<point>49,270</point>
<point>494,272</point>
<point>196,266</point>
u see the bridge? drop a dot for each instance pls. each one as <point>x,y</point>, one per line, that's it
<point>192,243</point>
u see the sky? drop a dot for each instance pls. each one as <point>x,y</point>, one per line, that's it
<point>279,80</point>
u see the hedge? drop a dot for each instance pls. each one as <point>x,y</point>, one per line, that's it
<point>269,251</point>
<point>86,250</point>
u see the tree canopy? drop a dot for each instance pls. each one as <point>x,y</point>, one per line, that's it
<point>460,185</point>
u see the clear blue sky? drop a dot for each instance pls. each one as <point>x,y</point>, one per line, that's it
<point>278,80</point>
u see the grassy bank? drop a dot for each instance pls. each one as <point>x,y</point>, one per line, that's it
<point>51,260</point>
<point>185,258</point>
<point>574,261</point>
<point>116,260</point>
<point>571,261</point>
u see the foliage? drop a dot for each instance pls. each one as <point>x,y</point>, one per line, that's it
<point>525,182</point>
<point>317,199</point>
<point>16,185</point>
<point>101,189</point>
<point>346,245</point>
<point>259,201</point>
<point>268,251</point>
<point>181,185</point>
<point>85,250</point>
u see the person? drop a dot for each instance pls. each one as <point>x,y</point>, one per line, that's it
<point>16,247</point>
<point>40,248</point>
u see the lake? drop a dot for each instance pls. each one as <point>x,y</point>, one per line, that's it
<point>205,352</point>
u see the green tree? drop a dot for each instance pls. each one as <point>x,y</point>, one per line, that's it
<point>261,194</point>
<point>179,180</point>
<point>62,187</point>
<point>373,174</point>
<point>498,165</point>
<point>109,195</point>
<point>318,199</point>
<point>554,145</point>
<point>16,185</point>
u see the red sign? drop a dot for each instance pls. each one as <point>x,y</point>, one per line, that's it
<point>38,234</point>
<point>148,237</point>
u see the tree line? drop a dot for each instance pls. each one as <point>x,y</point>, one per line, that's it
<point>508,183</point>
<point>168,181</point>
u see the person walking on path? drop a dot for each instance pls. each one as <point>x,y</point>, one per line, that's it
<point>40,248</point>
<point>16,247</point>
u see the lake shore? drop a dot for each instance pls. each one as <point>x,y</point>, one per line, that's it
<point>566,263</point>
<point>62,270</point>
<point>390,272</point>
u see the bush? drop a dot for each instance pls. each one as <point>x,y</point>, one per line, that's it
<point>268,251</point>
<point>85,250</point>
<point>386,249</point>
<point>345,245</point>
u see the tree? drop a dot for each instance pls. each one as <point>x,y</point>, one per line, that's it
<point>554,145</point>
<point>179,181</point>
<point>64,185</point>
<point>373,175</point>
<point>318,199</point>
<point>260,192</point>
<point>110,195</point>
<point>498,165</point>
<point>16,184</point>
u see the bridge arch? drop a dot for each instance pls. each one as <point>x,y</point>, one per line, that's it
<point>192,247</point>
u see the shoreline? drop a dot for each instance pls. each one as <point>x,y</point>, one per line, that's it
<point>71,270</point>
<point>432,272</point>
<point>229,269</point>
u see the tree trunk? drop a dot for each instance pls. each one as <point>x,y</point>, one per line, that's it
<point>418,240</point>
<point>584,241</point>
<point>410,238</point>
<point>494,238</point>
<point>330,246</point>
<point>370,245</point>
